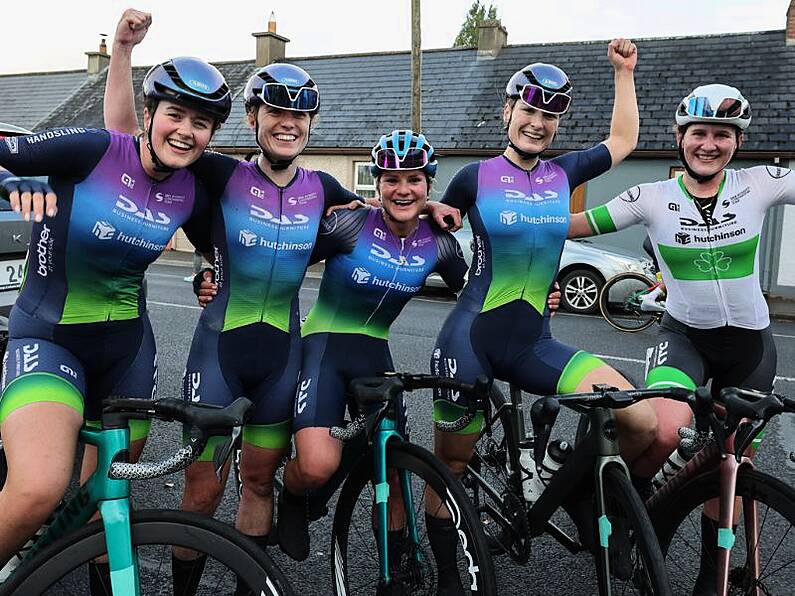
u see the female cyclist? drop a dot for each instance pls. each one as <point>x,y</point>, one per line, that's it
<point>518,206</point>
<point>79,330</point>
<point>705,226</point>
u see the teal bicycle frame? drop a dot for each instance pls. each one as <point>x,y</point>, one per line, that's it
<point>112,499</point>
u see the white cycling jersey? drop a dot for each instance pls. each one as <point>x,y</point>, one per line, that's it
<point>711,269</point>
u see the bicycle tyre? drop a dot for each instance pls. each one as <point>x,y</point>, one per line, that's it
<point>65,559</point>
<point>648,574</point>
<point>358,572</point>
<point>681,511</point>
<point>642,320</point>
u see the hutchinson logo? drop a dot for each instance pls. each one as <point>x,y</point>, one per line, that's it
<point>361,275</point>
<point>508,217</point>
<point>247,238</point>
<point>103,230</point>
<point>682,238</point>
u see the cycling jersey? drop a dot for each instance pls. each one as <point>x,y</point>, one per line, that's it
<point>87,263</point>
<point>519,223</point>
<point>263,235</point>
<point>711,267</point>
<point>374,273</point>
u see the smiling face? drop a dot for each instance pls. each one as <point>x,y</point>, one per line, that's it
<point>283,134</point>
<point>708,148</point>
<point>529,128</point>
<point>179,134</point>
<point>404,194</point>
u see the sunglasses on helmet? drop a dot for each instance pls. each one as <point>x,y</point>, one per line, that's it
<point>702,107</point>
<point>546,101</point>
<point>414,159</point>
<point>278,95</point>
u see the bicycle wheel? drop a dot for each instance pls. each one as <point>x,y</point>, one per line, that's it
<point>625,291</point>
<point>61,568</point>
<point>355,564</point>
<point>677,522</point>
<point>636,561</point>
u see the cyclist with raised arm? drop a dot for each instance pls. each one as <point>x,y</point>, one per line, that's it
<point>79,329</point>
<point>705,226</point>
<point>264,226</point>
<point>518,206</point>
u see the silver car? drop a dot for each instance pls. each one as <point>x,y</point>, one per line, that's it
<point>584,268</point>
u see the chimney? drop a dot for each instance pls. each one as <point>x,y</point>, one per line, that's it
<point>98,61</point>
<point>791,23</point>
<point>492,37</point>
<point>270,46</point>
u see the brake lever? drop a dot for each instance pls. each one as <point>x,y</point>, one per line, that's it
<point>745,435</point>
<point>224,450</point>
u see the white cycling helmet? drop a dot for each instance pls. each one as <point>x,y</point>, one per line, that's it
<point>718,104</point>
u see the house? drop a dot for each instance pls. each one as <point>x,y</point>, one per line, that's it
<point>365,95</point>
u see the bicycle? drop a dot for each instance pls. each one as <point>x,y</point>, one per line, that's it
<point>621,298</point>
<point>363,559</point>
<point>138,544</point>
<point>722,471</point>
<point>592,486</point>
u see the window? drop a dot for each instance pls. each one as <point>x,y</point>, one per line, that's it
<point>363,182</point>
<point>674,171</point>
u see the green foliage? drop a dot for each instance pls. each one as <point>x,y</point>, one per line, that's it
<point>468,35</point>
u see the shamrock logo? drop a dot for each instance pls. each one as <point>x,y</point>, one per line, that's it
<point>717,261</point>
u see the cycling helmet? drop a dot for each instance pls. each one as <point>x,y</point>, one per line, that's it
<point>191,81</point>
<point>717,104</point>
<point>542,86</point>
<point>403,150</point>
<point>283,86</point>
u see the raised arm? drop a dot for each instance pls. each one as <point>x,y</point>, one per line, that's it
<point>623,55</point>
<point>119,108</point>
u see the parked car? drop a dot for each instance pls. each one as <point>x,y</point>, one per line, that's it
<point>14,239</point>
<point>584,268</point>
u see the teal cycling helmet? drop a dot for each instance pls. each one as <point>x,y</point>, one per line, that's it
<point>403,150</point>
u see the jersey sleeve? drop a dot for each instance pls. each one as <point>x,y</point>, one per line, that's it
<point>334,193</point>
<point>781,182</point>
<point>581,166</point>
<point>66,152</point>
<point>626,209</point>
<point>462,191</point>
<point>214,170</point>
<point>450,262</point>
<point>198,226</point>
<point>338,233</point>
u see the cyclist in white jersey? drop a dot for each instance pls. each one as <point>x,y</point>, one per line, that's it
<point>705,226</point>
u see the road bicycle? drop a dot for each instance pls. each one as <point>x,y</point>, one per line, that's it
<point>621,302</point>
<point>137,545</point>
<point>592,486</point>
<point>385,482</point>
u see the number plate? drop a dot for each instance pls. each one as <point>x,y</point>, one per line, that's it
<point>11,274</point>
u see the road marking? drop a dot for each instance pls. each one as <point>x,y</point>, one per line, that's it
<point>639,361</point>
<point>782,335</point>
<point>188,306</point>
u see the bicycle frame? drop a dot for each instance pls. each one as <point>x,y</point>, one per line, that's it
<point>729,468</point>
<point>112,499</point>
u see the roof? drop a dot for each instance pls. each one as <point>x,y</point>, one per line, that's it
<point>27,99</point>
<point>364,95</point>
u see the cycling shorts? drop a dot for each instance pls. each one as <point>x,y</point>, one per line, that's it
<point>330,362</point>
<point>79,365</point>
<point>513,343</point>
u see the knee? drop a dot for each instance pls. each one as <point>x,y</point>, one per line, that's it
<point>203,493</point>
<point>257,480</point>
<point>38,494</point>
<point>316,471</point>
<point>638,423</point>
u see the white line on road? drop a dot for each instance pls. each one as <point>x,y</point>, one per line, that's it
<point>188,306</point>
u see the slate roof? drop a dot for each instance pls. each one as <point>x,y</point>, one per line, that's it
<point>27,99</point>
<point>367,94</point>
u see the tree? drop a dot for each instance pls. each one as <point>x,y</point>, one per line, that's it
<point>468,35</point>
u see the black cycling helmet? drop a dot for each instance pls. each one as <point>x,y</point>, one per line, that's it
<point>285,87</point>
<point>189,81</point>
<point>544,87</point>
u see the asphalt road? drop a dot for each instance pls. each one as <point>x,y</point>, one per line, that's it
<point>551,569</point>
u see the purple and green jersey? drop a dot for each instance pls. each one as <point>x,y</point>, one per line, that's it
<point>373,273</point>
<point>519,220</point>
<point>263,237</point>
<point>87,263</point>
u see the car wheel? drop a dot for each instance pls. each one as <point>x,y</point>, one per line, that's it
<point>580,291</point>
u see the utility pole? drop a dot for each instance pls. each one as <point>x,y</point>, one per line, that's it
<point>416,67</point>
